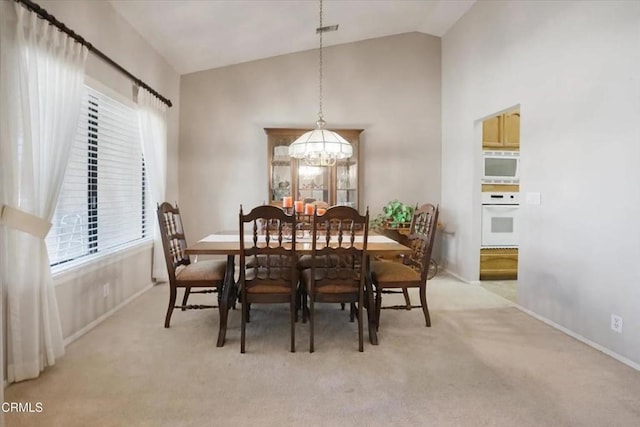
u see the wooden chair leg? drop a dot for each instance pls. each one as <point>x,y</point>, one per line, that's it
<point>352,312</point>
<point>187,291</point>
<point>423,301</point>
<point>243,325</point>
<point>172,303</point>
<point>311,316</point>
<point>407,300</point>
<point>294,315</point>
<point>360,331</point>
<point>378,308</point>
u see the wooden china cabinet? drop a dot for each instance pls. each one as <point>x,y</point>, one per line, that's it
<point>335,185</point>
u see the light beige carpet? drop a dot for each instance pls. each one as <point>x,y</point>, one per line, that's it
<point>507,289</point>
<point>482,363</point>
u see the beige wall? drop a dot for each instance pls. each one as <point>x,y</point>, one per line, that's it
<point>80,292</point>
<point>388,86</point>
<point>573,68</point>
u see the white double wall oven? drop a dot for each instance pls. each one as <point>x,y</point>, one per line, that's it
<point>500,219</point>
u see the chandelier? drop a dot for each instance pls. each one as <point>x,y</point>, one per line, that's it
<point>321,147</point>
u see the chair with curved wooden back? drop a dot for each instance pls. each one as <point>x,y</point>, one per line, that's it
<point>268,272</point>
<point>207,275</point>
<point>338,264</point>
<point>413,271</point>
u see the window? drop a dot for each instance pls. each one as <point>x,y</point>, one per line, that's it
<point>103,201</point>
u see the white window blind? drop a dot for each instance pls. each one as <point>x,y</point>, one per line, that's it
<point>103,201</point>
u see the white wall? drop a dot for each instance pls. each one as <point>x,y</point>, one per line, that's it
<point>574,69</point>
<point>388,86</point>
<point>80,292</point>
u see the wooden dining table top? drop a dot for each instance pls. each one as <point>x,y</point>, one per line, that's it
<point>228,243</point>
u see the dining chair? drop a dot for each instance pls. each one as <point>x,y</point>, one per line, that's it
<point>206,275</point>
<point>304,261</point>
<point>268,272</point>
<point>412,272</point>
<point>338,265</point>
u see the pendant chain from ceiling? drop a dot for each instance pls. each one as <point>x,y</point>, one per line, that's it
<point>320,116</point>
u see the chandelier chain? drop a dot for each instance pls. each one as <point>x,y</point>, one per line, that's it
<point>320,116</point>
<point>320,147</point>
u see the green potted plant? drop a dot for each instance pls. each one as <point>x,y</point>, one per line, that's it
<point>394,214</point>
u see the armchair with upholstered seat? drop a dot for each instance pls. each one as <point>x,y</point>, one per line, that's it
<point>412,272</point>
<point>206,275</point>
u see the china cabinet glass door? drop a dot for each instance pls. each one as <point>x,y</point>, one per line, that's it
<point>347,183</point>
<point>280,170</point>
<point>313,183</point>
<point>288,177</point>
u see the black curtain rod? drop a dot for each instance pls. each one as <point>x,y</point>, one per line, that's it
<point>53,21</point>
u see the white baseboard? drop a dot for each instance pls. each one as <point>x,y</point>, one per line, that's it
<point>462,279</point>
<point>105,316</point>
<point>580,338</point>
<point>569,332</point>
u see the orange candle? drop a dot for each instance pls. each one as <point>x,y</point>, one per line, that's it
<point>287,202</point>
<point>321,211</point>
<point>308,209</point>
<point>299,206</point>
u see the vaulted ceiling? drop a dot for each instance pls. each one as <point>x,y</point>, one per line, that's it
<point>196,35</point>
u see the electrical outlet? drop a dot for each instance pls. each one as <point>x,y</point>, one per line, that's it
<point>616,323</point>
<point>105,290</point>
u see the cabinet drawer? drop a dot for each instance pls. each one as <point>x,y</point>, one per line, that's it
<point>498,264</point>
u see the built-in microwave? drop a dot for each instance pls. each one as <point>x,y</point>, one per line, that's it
<point>500,167</point>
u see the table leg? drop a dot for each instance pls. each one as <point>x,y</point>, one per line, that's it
<point>371,310</point>
<point>226,298</point>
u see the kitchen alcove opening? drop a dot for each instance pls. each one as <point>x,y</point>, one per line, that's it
<point>500,202</point>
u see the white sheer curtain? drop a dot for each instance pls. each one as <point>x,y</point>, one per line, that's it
<point>41,80</point>
<point>152,114</point>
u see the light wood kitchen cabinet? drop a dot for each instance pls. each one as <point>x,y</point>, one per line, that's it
<point>511,129</point>
<point>498,263</point>
<point>492,132</point>
<point>335,185</point>
<point>502,132</point>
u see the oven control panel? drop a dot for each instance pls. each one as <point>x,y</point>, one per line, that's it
<point>500,198</point>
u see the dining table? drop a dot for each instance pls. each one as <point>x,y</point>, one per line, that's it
<point>228,243</point>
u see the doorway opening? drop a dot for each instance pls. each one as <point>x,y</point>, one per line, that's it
<point>500,203</point>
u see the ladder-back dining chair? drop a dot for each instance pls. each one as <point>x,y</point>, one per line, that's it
<point>337,270</point>
<point>268,272</point>
<point>206,275</point>
<point>413,271</point>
